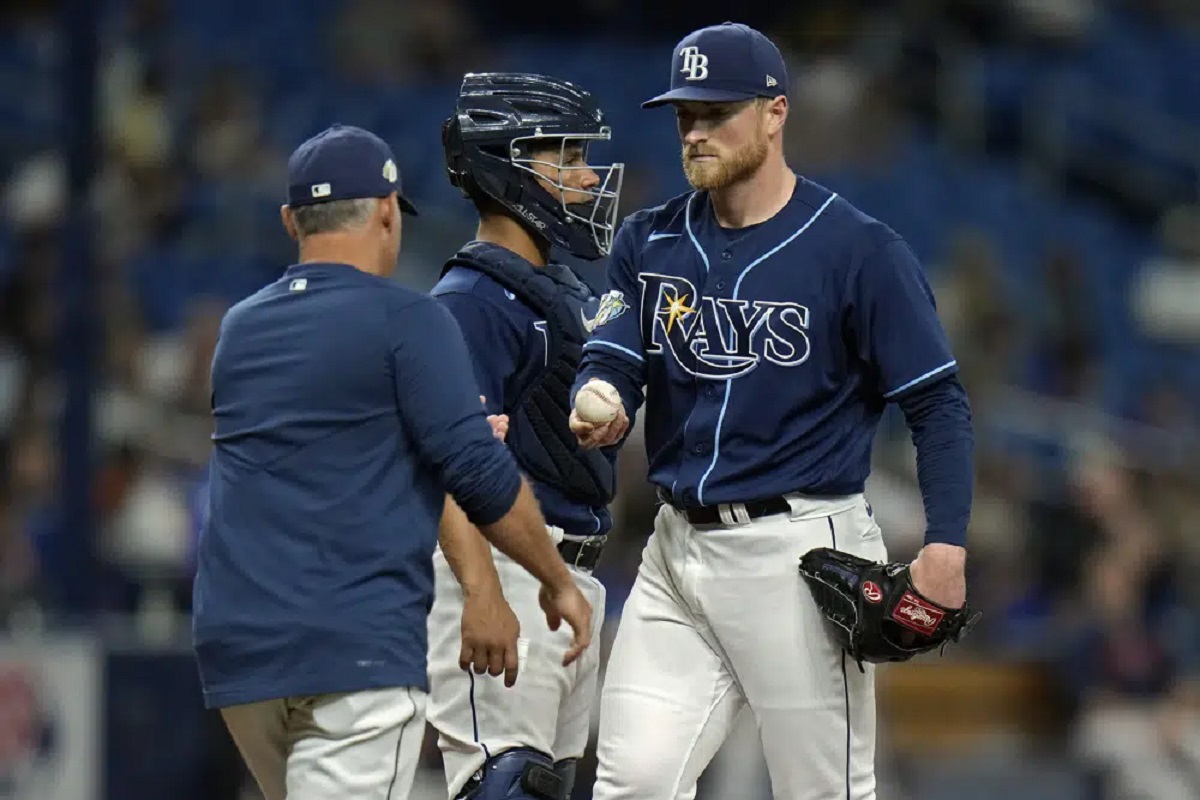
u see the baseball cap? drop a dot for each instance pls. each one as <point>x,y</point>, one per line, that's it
<point>724,63</point>
<point>343,162</point>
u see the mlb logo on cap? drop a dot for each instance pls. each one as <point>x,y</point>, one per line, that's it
<point>722,64</point>
<point>343,162</point>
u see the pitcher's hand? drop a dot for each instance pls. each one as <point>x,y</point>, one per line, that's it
<point>939,573</point>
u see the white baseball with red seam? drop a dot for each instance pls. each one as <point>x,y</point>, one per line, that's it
<point>597,402</point>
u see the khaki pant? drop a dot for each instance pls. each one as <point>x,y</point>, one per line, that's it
<point>363,745</point>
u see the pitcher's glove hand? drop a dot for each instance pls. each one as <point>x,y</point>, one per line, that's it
<point>874,612</point>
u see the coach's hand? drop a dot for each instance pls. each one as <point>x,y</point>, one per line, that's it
<point>940,574</point>
<point>489,634</point>
<point>568,603</point>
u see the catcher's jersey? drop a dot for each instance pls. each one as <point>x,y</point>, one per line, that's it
<point>508,346</point>
<point>767,354</point>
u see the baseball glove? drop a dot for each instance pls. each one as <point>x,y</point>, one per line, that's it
<point>873,610</point>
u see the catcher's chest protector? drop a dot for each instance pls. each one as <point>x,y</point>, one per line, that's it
<point>545,445</point>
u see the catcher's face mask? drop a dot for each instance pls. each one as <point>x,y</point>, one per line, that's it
<point>586,194</point>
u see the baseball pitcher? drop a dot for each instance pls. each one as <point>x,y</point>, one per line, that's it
<point>768,323</point>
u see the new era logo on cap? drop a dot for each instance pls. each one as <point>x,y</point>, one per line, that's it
<point>723,64</point>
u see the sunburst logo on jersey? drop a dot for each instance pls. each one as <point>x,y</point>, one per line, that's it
<point>676,308</point>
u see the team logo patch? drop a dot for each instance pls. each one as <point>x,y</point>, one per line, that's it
<point>695,64</point>
<point>915,614</point>
<point>612,305</point>
<point>719,338</point>
<point>872,592</point>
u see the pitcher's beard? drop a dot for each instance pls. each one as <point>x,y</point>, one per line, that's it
<point>724,172</point>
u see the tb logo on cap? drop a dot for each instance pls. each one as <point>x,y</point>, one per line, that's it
<point>695,63</point>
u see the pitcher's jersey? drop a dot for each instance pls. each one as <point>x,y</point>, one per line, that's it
<point>767,353</point>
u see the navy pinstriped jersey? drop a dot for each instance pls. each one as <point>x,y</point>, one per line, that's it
<point>508,346</point>
<point>767,354</point>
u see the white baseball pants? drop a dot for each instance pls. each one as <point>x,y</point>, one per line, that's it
<point>548,709</point>
<point>719,618</point>
<point>359,744</point>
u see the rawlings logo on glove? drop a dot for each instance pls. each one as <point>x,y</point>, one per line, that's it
<point>874,611</point>
<point>913,612</point>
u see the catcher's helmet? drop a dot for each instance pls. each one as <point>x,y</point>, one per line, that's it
<point>500,119</point>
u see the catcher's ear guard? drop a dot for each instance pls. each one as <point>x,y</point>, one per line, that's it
<point>873,611</point>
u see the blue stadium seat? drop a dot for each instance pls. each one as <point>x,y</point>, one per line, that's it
<point>926,193</point>
<point>1123,56</point>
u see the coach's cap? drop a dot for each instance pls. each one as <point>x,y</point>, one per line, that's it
<point>343,163</point>
<point>724,63</point>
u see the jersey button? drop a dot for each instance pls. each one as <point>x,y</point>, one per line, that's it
<point>720,284</point>
<point>700,448</point>
<point>726,255</point>
<point>689,497</point>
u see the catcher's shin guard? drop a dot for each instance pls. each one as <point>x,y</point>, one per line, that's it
<point>566,771</point>
<point>519,774</point>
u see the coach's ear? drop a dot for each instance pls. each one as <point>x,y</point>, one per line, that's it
<point>387,210</point>
<point>289,224</point>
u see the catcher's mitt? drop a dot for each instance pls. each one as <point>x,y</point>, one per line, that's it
<point>873,610</point>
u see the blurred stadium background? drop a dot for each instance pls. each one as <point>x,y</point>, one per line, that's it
<point>1042,157</point>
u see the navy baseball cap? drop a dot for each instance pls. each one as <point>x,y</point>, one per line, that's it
<point>343,163</point>
<point>724,63</point>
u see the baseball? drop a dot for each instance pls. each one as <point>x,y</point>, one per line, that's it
<point>597,402</point>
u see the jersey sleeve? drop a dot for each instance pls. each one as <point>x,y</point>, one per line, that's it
<point>493,344</point>
<point>438,401</point>
<point>895,321</point>
<point>614,351</point>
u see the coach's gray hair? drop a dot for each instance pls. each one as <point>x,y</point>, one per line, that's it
<point>331,217</point>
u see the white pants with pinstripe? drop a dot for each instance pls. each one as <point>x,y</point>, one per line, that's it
<point>363,745</point>
<point>549,709</point>
<point>719,619</point>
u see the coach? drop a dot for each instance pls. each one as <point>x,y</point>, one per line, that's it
<point>344,409</point>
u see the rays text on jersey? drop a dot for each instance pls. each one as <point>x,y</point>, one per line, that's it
<point>719,338</point>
